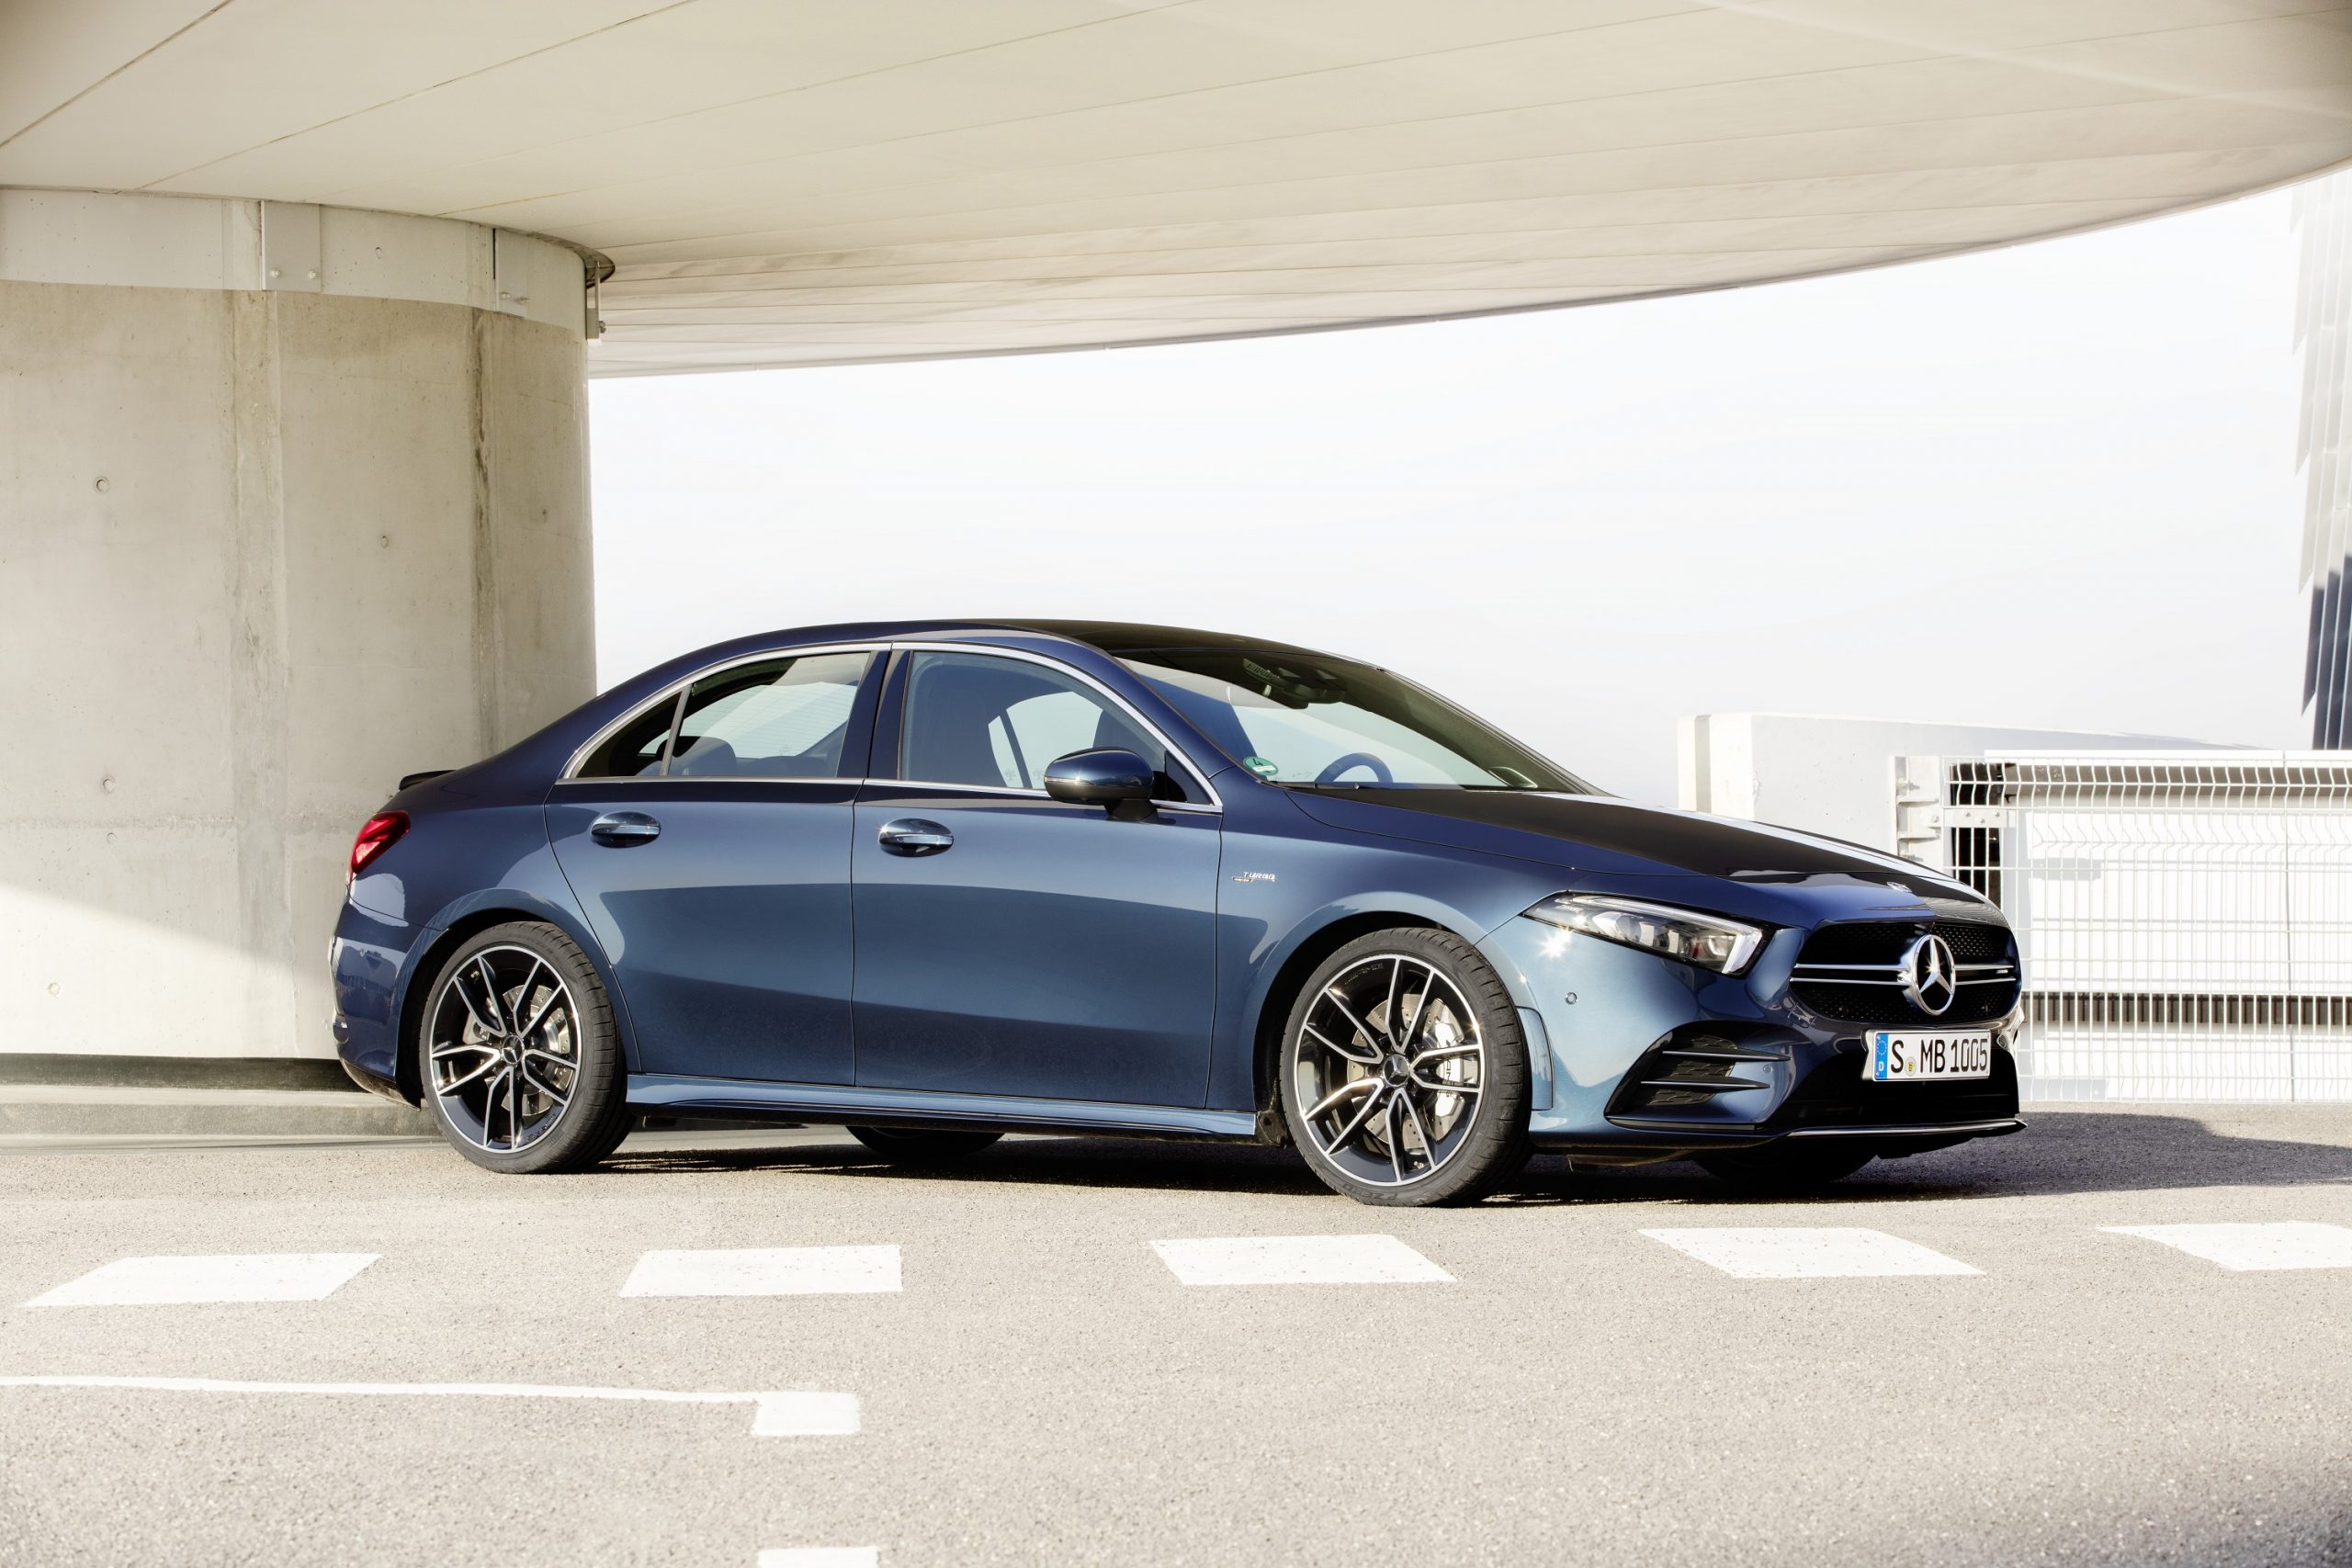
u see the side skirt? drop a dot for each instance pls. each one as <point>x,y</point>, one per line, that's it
<point>836,1104</point>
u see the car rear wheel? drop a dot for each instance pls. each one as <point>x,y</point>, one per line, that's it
<point>923,1145</point>
<point>1786,1168</point>
<point>520,1065</point>
<point>1404,1074</point>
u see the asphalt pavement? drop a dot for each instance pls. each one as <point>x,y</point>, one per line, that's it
<point>2124,1337</point>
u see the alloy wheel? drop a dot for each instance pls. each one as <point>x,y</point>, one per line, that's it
<point>1389,1067</point>
<point>503,1053</point>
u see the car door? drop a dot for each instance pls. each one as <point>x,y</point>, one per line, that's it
<point>709,840</point>
<point>1012,944</point>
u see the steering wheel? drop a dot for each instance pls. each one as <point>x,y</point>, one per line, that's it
<point>1380,774</point>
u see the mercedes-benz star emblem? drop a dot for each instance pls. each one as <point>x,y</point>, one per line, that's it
<point>1928,977</point>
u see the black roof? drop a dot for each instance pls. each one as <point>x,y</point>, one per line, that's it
<point>1116,637</point>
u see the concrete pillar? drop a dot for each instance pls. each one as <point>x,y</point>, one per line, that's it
<point>293,500</point>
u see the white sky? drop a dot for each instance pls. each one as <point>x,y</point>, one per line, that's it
<point>2049,486</point>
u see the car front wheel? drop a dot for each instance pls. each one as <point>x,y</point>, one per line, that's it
<point>1403,1075</point>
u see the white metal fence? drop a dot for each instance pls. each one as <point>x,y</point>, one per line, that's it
<point>2185,921</point>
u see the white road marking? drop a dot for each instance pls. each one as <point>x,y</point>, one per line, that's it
<point>2278,1244</point>
<point>1791,1252</point>
<point>775,1415</point>
<point>178,1281</point>
<point>766,1271</point>
<point>822,1557</point>
<point>1299,1260</point>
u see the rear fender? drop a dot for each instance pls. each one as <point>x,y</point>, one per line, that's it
<point>529,897</point>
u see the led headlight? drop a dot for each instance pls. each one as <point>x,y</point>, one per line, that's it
<point>1710,941</point>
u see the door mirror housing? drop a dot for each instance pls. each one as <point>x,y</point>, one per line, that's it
<point>1113,778</point>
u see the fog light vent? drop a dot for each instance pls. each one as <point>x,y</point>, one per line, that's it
<point>1685,1072</point>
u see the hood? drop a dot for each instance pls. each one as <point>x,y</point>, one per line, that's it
<point>1594,833</point>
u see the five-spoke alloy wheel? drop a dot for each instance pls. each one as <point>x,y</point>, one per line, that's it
<point>517,1057</point>
<point>1404,1073</point>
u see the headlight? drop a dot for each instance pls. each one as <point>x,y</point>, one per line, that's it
<point>1710,941</point>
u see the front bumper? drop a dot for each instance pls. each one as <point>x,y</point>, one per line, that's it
<point>1829,1098</point>
<point>1650,1059</point>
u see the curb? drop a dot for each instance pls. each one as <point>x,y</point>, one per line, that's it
<point>98,1111</point>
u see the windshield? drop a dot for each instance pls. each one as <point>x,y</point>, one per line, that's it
<point>1335,725</point>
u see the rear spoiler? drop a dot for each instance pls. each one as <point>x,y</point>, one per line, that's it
<point>407,780</point>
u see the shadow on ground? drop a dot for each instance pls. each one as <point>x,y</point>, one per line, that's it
<point>2060,1152</point>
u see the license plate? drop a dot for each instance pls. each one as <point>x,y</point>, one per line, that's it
<point>1902,1056</point>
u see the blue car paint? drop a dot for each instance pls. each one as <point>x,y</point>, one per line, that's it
<point>730,932</point>
<point>1303,878</point>
<point>490,860</point>
<point>1625,1001</point>
<point>364,965</point>
<point>807,1102</point>
<point>1037,1047</point>
<point>1054,952</point>
<point>489,815</point>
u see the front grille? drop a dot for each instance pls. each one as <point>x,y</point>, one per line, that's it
<point>1851,971</point>
<point>1885,942</point>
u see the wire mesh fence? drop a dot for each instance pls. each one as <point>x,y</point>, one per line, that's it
<point>2185,923</point>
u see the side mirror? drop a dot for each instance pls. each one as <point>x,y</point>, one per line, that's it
<point>1113,778</point>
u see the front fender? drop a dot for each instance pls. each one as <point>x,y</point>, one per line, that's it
<point>1598,1006</point>
<point>1266,963</point>
<point>1286,880</point>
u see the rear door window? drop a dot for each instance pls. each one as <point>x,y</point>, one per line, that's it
<point>779,719</point>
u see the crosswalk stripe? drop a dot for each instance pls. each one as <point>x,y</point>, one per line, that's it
<point>181,1281</point>
<point>1793,1252</point>
<point>787,1414</point>
<point>2250,1247</point>
<point>766,1271</point>
<point>1299,1260</point>
<point>1754,1252</point>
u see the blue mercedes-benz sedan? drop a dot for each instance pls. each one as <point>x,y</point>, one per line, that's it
<point>940,881</point>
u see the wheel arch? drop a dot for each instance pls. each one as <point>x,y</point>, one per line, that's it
<point>462,928</point>
<point>1290,978</point>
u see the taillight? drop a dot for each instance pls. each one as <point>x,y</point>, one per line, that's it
<point>383,830</point>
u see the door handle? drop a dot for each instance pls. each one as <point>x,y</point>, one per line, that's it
<point>619,829</point>
<point>913,836</point>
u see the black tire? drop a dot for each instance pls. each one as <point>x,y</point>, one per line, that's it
<point>924,1145</point>
<point>604,1148</point>
<point>1786,1168</point>
<point>1480,1137</point>
<point>592,1117</point>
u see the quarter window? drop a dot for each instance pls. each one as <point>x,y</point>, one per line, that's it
<point>635,749</point>
<point>974,719</point>
<point>780,718</point>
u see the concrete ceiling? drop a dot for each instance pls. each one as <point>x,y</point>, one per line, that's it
<point>800,182</point>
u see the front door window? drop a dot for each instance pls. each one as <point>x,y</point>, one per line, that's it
<point>976,719</point>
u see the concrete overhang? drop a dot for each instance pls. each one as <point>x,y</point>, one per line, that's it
<point>834,183</point>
